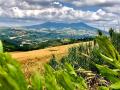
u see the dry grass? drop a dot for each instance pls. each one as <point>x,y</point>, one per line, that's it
<point>34,60</point>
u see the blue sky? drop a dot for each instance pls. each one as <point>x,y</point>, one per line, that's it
<point>97,13</point>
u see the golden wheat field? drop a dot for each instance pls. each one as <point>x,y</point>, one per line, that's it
<point>34,60</point>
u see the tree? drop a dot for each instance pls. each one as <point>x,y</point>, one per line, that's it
<point>100,33</point>
<point>111,31</point>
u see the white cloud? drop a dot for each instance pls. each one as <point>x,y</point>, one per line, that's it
<point>87,2</point>
<point>53,10</point>
<point>61,14</point>
<point>1,11</point>
<point>80,3</point>
<point>114,9</point>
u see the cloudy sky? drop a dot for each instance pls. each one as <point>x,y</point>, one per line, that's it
<point>26,12</point>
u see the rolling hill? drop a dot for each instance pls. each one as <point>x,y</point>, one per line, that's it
<point>34,60</point>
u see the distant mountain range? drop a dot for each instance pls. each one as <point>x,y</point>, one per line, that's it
<point>47,31</point>
<point>61,26</point>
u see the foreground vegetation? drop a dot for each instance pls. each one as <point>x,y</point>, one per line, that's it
<point>87,67</point>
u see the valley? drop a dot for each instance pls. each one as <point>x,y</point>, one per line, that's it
<point>44,35</point>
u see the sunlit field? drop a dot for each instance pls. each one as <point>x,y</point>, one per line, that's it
<point>35,60</point>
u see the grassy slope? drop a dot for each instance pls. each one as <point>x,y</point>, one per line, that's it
<point>32,60</point>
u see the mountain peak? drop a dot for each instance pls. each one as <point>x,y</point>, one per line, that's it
<point>60,26</point>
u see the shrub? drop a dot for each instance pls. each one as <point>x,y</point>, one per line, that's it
<point>110,55</point>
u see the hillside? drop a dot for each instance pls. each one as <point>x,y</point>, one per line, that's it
<point>42,54</point>
<point>32,60</point>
